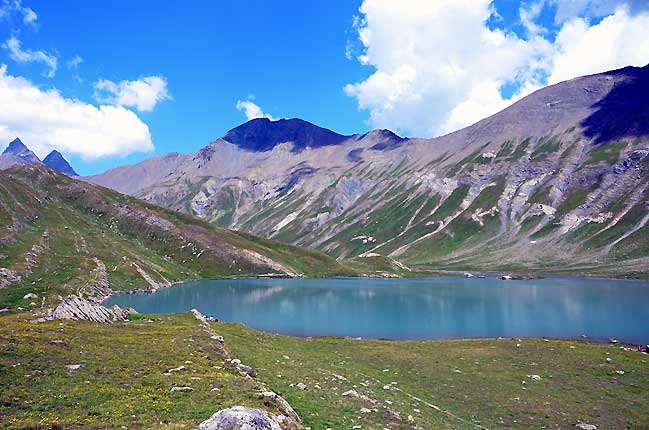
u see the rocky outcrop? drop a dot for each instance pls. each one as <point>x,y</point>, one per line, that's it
<point>76,308</point>
<point>243,418</point>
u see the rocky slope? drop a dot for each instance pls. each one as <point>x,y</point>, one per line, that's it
<point>557,182</point>
<point>60,236</point>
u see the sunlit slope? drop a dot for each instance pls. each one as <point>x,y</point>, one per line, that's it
<point>59,235</point>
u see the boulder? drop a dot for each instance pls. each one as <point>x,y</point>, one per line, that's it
<point>243,418</point>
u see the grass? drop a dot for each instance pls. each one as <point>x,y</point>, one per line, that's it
<point>545,147</point>
<point>123,378</point>
<point>605,153</point>
<point>480,381</point>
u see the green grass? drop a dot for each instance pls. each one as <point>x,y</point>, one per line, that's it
<point>605,153</point>
<point>545,147</point>
<point>480,381</point>
<point>123,380</point>
<point>521,149</point>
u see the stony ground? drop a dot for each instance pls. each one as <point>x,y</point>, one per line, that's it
<point>70,375</point>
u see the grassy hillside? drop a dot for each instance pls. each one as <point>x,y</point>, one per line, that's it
<point>123,378</point>
<point>58,235</point>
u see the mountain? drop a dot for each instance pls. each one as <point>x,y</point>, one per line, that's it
<point>556,182</point>
<point>17,153</point>
<point>56,161</point>
<point>72,233</point>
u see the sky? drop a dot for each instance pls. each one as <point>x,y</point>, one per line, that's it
<point>112,83</point>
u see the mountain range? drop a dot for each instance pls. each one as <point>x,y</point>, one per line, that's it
<point>18,153</point>
<point>556,182</point>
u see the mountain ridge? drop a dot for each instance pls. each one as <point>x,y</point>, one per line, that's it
<point>538,172</point>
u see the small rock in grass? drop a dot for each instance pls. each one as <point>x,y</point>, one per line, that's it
<point>584,426</point>
<point>301,386</point>
<point>73,366</point>
<point>182,389</point>
<point>218,338</point>
<point>534,377</point>
<point>365,411</point>
<point>620,372</point>
<point>177,369</point>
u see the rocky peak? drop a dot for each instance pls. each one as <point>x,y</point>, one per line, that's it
<point>56,161</point>
<point>18,148</point>
<point>262,134</point>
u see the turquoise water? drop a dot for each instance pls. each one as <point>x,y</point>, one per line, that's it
<point>432,308</point>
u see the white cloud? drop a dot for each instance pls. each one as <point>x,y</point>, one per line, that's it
<point>45,120</point>
<point>439,67</point>
<point>143,94</point>
<point>252,110</point>
<point>617,41</point>
<point>74,62</point>
<point>437,63</point>
<point>28,56</point>
<point>28,16</point>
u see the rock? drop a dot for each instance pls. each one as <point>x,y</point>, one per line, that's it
<point>177,369</point>
<point>199,316</point>
<point>301,386</point>
<point>76,308</point>
<point>30,296</point>
<point>534,377</point>
<point>243,418</point>
<point>73,366</point>
<point>506,277</point>
<point>583,426</point>
<point>282,405</point>
<point>350,393</point>
<point>181,389</point>
<point>218,338</point>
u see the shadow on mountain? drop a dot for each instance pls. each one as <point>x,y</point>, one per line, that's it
<point>624,112</point>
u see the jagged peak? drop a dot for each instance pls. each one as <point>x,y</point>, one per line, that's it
<point>16,147</point>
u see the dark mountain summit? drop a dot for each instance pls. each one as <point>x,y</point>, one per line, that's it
<point>56,161</point>
<point>18,148</point>
<point>262,134</point>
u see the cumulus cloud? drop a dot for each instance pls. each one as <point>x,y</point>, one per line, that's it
<point>46,120</point>
<point>617,41</point>
<point>252,110</point>
<point>438,66</point>
<point>143,94</point>
<point>19,55</point>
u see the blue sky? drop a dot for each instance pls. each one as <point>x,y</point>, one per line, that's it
<point>290,58</point>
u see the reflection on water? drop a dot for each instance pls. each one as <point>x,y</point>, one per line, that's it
<point>416,308</point>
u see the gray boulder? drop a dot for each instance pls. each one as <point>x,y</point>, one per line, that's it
<point>243,418</point>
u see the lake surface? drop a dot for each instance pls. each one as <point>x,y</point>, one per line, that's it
<point>431,308</point>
